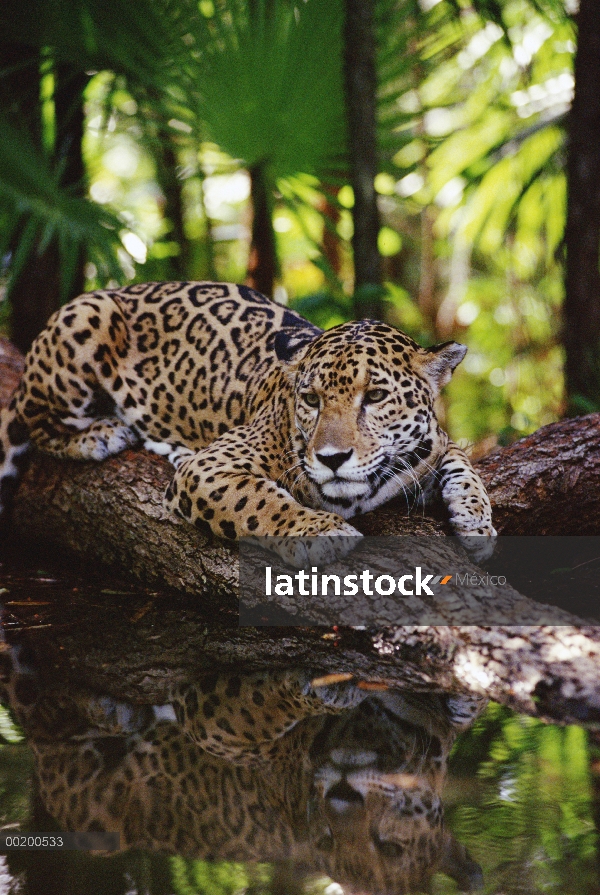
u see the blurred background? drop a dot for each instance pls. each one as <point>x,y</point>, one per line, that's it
<point>231,140</point>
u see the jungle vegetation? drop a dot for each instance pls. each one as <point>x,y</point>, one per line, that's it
<point>400,158</point>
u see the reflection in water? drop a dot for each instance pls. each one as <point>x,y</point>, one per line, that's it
<point>339,780</point>
<point>519,792</point>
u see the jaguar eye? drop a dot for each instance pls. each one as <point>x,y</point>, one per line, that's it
<point>375,395</point>
<point>310,398</point>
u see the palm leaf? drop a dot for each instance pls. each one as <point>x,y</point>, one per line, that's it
<point>271,87</point>
<point>35,211</point>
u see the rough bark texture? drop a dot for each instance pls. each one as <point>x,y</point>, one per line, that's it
<point>112,514</point>
<point>549,482</point>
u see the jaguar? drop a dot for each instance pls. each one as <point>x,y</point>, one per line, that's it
<point>275,428</point>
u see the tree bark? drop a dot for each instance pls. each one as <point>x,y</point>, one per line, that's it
<point>263,265</point>
<point>545,484</point>
<point>549,482</point>
<point>111,515</point>
<point>361,112</point>
<point>166,165</point>
<point>582,300</point>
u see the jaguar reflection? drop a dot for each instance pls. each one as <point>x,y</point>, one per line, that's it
<point>337,777</point>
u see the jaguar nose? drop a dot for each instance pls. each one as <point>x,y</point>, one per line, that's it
<point>334,461</point>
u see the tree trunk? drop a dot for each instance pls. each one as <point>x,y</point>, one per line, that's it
<point>34,296</point>
<point>263,266</point>
<point>361,111</point>
<point>166,164</point>
<point>70,84</point>
<point>165,147</point>
<point>546,483</point>
<point>330,244</point>
<point>549,482</point>
<point>20,88</point>
<point>582,301</point>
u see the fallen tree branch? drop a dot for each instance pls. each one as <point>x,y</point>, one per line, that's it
<point>136,653</point>
<point>112,513</point>
<point>549,482</point>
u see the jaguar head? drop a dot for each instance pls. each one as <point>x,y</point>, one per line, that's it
<point>375,810</point>
<point>364,410</point>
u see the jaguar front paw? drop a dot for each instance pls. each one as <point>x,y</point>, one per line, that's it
<point>468,504</point>
<point>479,543</point>
<point>314,547</point>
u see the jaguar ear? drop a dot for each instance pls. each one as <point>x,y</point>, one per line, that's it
<point>291,344</point>
<point>440,361</point>
<point>458,864</point>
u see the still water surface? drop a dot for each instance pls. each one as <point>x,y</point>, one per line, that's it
<point>277,783</point>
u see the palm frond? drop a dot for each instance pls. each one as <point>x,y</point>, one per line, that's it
<point>36,210</point>
<point>271,87</point>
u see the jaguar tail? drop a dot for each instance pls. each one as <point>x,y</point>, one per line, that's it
<point>14,444</point>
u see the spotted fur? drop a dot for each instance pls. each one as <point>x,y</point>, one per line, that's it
<point>275,428</point>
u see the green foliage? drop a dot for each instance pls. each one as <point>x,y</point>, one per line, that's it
<point>34,210</point>
<point>472,106</point>
<point>15,772</point>
<point>529,814</point>
<point>135,39</point>
<point>480,153</point>
<point>141,40</point>
<point>510,381</point>
<point>9,731</point>
<point>202,878</point>
<point>270,84</point>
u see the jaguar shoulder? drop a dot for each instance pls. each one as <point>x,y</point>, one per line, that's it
<point>275,428</point>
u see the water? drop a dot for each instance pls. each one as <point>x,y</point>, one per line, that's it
<point>341,784</point>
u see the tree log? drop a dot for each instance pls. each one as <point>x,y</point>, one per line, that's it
<point>549,482</point>
<point>111,515</point>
